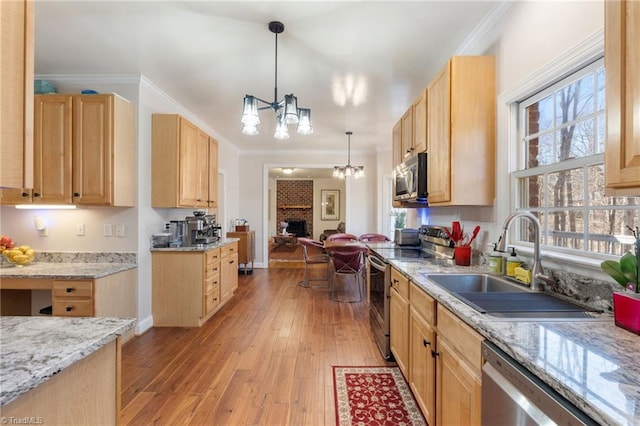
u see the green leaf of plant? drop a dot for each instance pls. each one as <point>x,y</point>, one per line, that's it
<point>629,267</point>
<point>612,268</point>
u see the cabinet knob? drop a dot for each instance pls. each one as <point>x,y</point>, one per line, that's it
<point>425,343</point>
<point>25,194</point>
<point>36,194</point>
<point>69,290</point>
<point>435,354</point>
<point>76,194</point>
<point>69,308</point>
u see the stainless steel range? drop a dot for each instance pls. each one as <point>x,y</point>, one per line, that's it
<point>434,244</point>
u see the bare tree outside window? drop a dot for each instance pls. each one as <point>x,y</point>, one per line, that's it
<point>562,178</point>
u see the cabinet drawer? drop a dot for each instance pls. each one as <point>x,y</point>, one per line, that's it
<point>424,304</point>
<point>212,282</point>
<point>212,299</point>
<point>400,282</point>
<point>461,337</point>
<point>73,307</point>
<point>73,289</point>
<point>229,250</point>
<point>212,256</point>
<point>212,270</point>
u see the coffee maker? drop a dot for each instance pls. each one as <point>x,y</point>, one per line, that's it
<point>202,229</point>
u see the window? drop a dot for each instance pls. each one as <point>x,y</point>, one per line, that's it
<point>561,176</point>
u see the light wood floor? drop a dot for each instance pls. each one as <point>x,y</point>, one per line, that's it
<point>264,359</point>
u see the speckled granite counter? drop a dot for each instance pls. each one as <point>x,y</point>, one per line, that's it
<point>32,349</point>
<point>65,270</point>
<point>200,247</point>
<point>594,364</point>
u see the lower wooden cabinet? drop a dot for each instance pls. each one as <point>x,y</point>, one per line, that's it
<point>444,360</point>
<point>111,296</point>
<point>399,320</point>
<point>189,287</point>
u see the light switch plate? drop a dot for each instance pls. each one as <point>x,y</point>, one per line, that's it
<point>80,229</point>
<point>120,231</point>
<point>107,230</point>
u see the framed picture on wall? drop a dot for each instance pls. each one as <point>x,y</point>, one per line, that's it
<point>330,204</point>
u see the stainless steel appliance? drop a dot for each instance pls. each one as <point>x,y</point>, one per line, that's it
<point>434,245</point>
<point>411,180</point>
<point>511,395</point>
<point>202,229</point>
<point>406,237</point>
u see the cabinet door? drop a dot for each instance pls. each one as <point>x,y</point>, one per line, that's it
<point>92,149</point>
<point>202,170</point>
<point>420,124</point>
<point>458,389</point>
<point>16,97</point>
<point>189,138</point>
<point>229,276</point>
<point>52,143</point>
<point>438,138</point>
<point>622,62</point>
<point>399,330</point>
<point>213,173</point>
<point>407,133</point>
<point>396,137</point>
<point>422,366</point>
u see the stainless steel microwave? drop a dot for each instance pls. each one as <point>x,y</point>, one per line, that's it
<point>411,180</point>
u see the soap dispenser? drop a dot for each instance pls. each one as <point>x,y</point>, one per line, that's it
<point>496,264</point>
<point>512,263</point>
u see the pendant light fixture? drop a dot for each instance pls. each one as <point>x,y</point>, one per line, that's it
<point>287,111</point>
<point>341,172</point>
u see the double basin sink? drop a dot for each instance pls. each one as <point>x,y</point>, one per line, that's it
<point>502,299</point>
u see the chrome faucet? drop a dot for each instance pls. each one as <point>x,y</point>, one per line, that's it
<point>538,277</point>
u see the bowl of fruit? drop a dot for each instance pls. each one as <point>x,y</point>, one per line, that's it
<point>19,256</point>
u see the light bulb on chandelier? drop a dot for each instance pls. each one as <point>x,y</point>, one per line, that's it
<point>286,109</point>
<point>341,172</point>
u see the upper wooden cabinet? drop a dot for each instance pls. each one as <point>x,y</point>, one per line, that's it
<point>410,133</point>
<point>16,96</point>
<point>84,149</point>
<point>396,137</point>
<point>622,64</point>
<point>461,132</point>
<point>419,129</point>
<point>181,156</point>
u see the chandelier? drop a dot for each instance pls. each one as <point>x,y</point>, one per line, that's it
<point>341,172</point>
<point>286,109</point>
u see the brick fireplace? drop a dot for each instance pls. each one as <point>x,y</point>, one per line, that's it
<point>294,204</point>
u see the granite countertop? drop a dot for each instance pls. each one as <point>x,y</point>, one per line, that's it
<point>64,270</point>
<point>32,349</point>
<point>593,364</point>
<point>199,247</point>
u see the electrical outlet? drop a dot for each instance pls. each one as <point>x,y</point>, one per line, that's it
<point>120,231</point>
<point>107,230</point>
<point>80,229</point>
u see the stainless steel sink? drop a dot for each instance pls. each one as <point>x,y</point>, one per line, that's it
<point>475,283</point>
<point>500,298</point>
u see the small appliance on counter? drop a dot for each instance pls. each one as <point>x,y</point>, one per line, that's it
<point>407,237</point>
<point>202,229</point>
<point>160,239</point>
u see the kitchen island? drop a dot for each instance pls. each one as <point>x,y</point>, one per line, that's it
<point>60,370</point>
<point>593,363</point>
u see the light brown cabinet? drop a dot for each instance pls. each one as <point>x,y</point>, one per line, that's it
<point>399,320</point>
<point>410,132</point>
<point>445,362</point>
<point>84,152</point>
<point>246,248</point>
<point>396,137</point>
<point>181,160</point>
<point>461,132</point>
<point>111,296</point>
<point>16,96</point>
<point>622,62</point>
<point>229,271</point>
<point>189,287</point>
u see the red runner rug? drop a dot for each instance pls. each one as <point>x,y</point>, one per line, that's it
<point>374,396</point>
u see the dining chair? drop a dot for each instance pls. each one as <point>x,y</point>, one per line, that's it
<point>343,236</point>
<point>313,253</point>
<point>347,261</point>
<point>373,237</point>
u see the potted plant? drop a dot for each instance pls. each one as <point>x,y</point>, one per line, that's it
<point>626,303</point>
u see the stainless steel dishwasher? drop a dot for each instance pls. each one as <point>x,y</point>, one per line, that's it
<point>512,396</point>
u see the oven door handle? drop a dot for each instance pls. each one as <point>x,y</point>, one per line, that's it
<point>377,263</point>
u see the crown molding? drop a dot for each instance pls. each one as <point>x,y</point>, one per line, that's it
<point>482,29</point>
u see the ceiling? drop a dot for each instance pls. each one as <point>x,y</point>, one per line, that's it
<point>357,65</point>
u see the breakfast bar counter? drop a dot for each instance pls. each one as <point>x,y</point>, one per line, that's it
<point>61,370</point>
